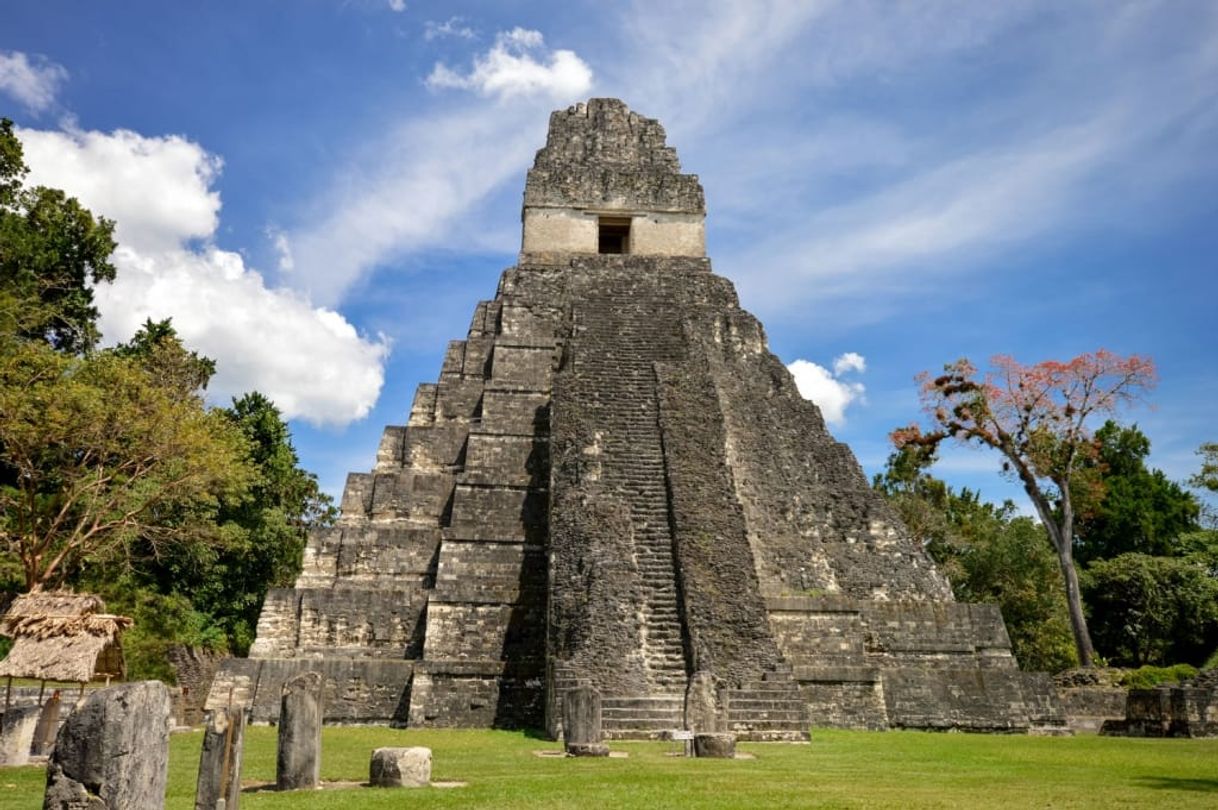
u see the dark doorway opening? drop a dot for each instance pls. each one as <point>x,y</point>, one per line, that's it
<point>613,235</point>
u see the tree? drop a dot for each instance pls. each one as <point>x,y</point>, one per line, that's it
<point>989,554</point>
<point>51,250</point>
<point>170,365</point>
<point>1152,610</point>
<point>259,537</point>
<point>1140,510</point>
<point>1038,418</point>
<point>100,454</point>
<point>1207,478</point>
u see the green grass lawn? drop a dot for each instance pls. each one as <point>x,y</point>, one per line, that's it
<point>838,769</point>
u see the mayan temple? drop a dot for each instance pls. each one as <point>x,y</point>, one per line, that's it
<point>614,482</point>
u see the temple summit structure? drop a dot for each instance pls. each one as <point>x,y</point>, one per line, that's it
<point>614,482</point>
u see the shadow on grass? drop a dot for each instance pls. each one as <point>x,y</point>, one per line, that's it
<point>1174,783</point>
<point>534,734</point>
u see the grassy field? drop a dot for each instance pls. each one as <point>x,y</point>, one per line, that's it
<point>838,769</point>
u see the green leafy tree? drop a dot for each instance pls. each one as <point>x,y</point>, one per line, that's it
<point>1207,477</point>
<point>284,504</point>
<point>1140,510</point>
<point>261,535</point>
<point>989,554</point>
<point>102,454</point>
<point>51,250</point>
<point>1152,610</point>
<point>158,349</point>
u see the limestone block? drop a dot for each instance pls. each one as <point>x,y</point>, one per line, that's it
<point>298,764</point>
<point>400,767</point>
<point>17,727</point>
<point>715,746</point>
<point>112,753</point>
<point>220,760</point>
<point>581,722</point>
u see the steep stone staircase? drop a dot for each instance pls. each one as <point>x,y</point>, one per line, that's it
<point>622,346</point>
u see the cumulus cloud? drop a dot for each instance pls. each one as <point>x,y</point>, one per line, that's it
<point>826,388</point>
<point>33,82</point>
<point>452,27</point>
<point>158,190</point>
<point>309,360</point>
<point>518,64</point>
<point>397,5</point>
<point>850,361</point>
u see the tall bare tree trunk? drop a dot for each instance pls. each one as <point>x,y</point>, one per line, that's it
<point>1074,602</point>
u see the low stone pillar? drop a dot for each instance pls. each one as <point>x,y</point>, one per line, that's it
<point>48,726</point>
<point>400,767</point>
<point>703,711</point>
<point>17,727</point>
<point>715,746</point>
<point>298,764</point>
<point>581,722</point>
<point>220,760</point>
<point>112,753</point>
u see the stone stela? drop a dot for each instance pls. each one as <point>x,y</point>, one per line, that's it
<point>614,483</point>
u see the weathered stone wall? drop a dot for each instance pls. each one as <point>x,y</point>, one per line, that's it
<point>815,524</point>
<point>1089,707</point>
<point>194,668</point>
<point>724,611</point>
<point>600,158</point>
<point>1167,711</point>
<point>556,232</point>
<point>601,154</point>
<point>357,690</point>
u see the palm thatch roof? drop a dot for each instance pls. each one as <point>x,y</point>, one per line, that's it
<point>61,636</point>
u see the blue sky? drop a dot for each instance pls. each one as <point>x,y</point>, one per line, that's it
<point>319,192</point>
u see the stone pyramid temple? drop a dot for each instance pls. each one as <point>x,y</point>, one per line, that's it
<point>614,482</point>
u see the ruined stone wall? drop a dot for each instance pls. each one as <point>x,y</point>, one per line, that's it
<point>602,155</point>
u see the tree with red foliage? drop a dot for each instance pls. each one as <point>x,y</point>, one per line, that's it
<point>1038,417</point>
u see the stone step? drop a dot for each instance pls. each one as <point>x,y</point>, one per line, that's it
<point>791,693</point>
<point>756,716</point>
<point>642,723</point>
<point>628,713</point>
<point>745,705</point>
<point>643,701</point>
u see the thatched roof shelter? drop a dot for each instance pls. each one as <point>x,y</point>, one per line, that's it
<point>61,636</point>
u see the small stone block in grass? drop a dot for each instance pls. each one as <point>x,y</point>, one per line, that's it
<point>715,746</point>
<point>400,767</point>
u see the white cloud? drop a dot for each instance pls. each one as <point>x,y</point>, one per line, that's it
<point>850,361</point>
<point>283,248</point>
<point>826,388</point>
<point>397,5</point>
<point>33,83</point>
<point>309,360</point>
<point>511,68</point>
<point>419,185</point>
<point>414,190</point>
<point>158,190</point>
<point>452,27</point>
